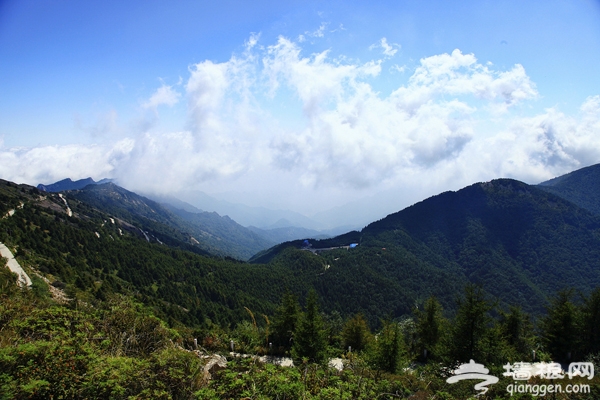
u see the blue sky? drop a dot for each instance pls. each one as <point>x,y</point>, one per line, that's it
<point>300,105</point>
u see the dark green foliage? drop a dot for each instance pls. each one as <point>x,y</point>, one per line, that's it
<point>590,324</point>
<point>267,255</point>
<point>182,286</point>
<point>527,242</point>
<point>250,380</point>
<point>50,351</point>
<point>387,350</point>
<point>130,330</point>
<point>518,242</point>
<point>120,350</point>
<point>430,326</point>
<point>517,330</point>
<point>45,369</point>
<point>310,336</point>
<point>470,326</point>
<point>8,280</point>
<point>285,321</point>
<point>560,327</point>
<point>356,333</point>
<point>119,340</point>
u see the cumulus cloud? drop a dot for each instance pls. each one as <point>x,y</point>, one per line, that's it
<point>164,95</point>
<point>316,80</point>
<point>547,145</point>
<point>459,74</point>
<point>357,138</point>
<point>52,163</point>
<point>347,135</point>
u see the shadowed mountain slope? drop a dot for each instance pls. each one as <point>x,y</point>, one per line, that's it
<point>520,243</point>
<point>581,187</point>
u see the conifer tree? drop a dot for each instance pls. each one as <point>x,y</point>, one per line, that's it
<point>470,325</point>
<point>559,327</point>
<point>356,333</point>
<point>430,325</point>
<point>516,330</point>
<point>388,349</point>
<point>310,340</point>
<point>285,320</point>
<point>590,324</point>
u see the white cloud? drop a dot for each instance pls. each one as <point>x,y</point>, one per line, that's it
<point>164,95</point>
<point>388,50</point>
<point>356,138</point>
<point>205,90</point>
<point>320,32</point>
<point>459,74</point>
<point>49,164</point>
<point>348,136</point>
<point>164,163</point>
<point>252,41</point>
<point>397,68</point>
<point>316,80</point>
<point>550,144</point>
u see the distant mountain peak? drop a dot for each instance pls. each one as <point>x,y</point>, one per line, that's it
<point>68,184</point>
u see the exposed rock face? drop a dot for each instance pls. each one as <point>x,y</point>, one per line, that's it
<point>214,364</point>
<point>14,266</point>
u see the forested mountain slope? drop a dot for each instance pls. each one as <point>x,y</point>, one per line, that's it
<point>520,243</point>
<point>92,254</point>
<point>209,231</point>
<point>581,187</point>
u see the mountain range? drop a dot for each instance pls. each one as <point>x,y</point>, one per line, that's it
<point>207,230</point>
<point>68,184</point>
<point>521,243</point>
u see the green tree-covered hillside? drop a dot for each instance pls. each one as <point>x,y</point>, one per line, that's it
<point>581,187</point>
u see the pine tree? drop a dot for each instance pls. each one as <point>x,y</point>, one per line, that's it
<point>285,320</point>
<point>590,324</point>
<point>356,333</point>
<point>470,325</point>
<point>559,327</point>
<point>310,340</point>
<point>430,325</point>
<point>516,330</point>
<point>388,349</point>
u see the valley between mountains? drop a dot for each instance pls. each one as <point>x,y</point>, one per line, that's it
<point>518,251</point>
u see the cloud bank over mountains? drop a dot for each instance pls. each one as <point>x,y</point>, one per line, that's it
<point>276,118</point>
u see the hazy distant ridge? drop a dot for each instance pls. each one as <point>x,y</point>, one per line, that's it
<point>68,184</point>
